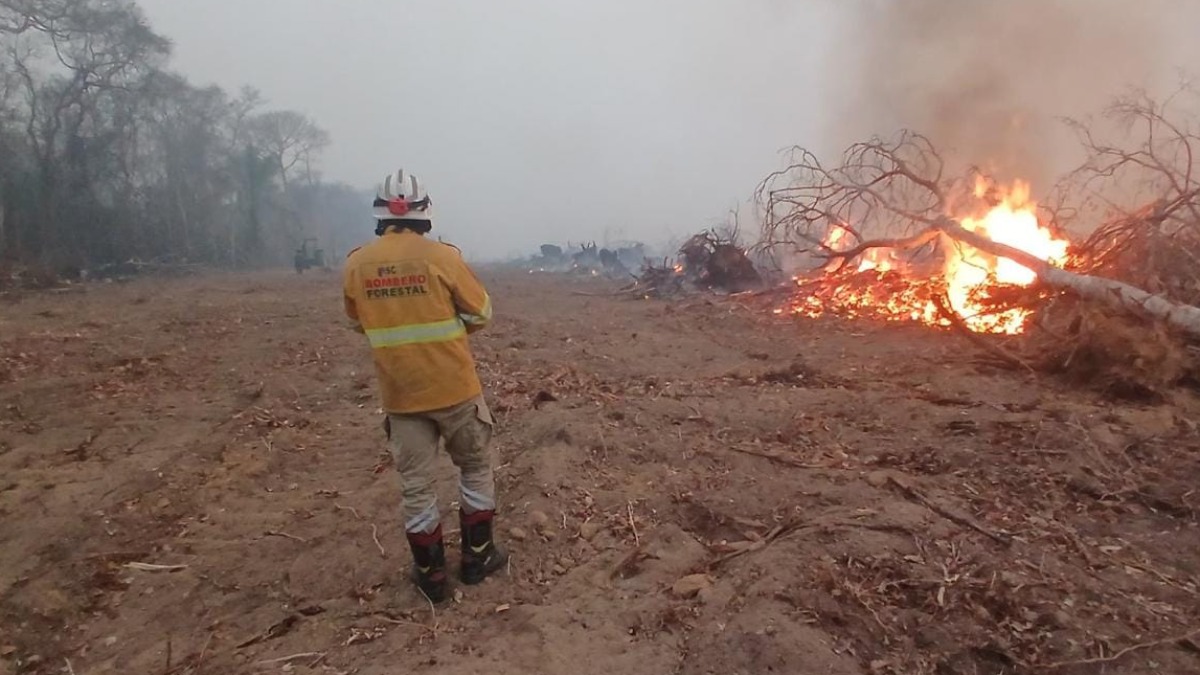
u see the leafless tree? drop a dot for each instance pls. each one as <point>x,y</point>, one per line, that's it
<point>291,139</point>
<point>884,193</point>
<point>46,16</point>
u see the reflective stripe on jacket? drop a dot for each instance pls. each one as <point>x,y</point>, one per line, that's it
<point>416,300</point>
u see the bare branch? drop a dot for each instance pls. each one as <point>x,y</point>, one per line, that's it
<point>883,192</point>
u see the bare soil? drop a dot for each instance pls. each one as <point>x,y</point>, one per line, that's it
<point>860,499</point>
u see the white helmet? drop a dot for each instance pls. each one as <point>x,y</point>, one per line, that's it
<point>401,196</point>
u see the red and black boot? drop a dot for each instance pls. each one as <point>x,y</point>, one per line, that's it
<point>429,568</point>
<point>481,556</point>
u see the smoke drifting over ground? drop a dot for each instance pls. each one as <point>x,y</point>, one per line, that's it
<point>990,81</point>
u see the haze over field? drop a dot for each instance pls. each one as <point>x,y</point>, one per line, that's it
<point>545,120</point>
<point>530,120</point>
<point>558,120</point>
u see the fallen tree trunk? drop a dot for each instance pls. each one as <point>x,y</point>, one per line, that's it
<point>1116,294</point>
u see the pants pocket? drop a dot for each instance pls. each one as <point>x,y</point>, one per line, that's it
<point>483,413</point>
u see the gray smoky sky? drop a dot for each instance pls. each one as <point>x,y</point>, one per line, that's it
<point>530,120</point>
<point>555,120</point>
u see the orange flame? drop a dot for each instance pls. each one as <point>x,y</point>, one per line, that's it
<point>884,289</point>
<point>969,271</point>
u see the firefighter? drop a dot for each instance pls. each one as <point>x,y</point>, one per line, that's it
<point>416,300</point>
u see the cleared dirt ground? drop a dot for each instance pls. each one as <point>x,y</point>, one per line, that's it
<point>863,499</point>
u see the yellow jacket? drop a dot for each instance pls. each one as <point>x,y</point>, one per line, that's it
<point>416,300</point>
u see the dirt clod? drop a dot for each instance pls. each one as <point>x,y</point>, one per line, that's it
<point>878,479</point>
<point>588,531</point>
<point>691,585</point>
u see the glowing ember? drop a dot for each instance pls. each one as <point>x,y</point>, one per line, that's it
<point>885,288</point>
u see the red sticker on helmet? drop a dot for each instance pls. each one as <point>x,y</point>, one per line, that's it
<point>398,207</point>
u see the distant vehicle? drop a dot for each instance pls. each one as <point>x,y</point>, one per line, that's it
<point>308,255</point>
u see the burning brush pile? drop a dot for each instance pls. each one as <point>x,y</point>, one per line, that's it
<point>707,261</point>
<point>892,239</point>
<point>935,280</point>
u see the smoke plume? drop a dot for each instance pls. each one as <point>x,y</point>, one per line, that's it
<point>990,80</point>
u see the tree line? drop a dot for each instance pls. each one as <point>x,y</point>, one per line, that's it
<point>106,155</point>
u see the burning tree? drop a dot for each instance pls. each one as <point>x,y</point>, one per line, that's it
<point>895,238</point>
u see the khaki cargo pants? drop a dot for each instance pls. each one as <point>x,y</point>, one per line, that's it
<point>466,430</point>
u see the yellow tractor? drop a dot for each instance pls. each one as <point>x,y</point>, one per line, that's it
<point>308,255</point>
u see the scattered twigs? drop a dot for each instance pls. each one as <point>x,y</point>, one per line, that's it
<point>374,528</point>
<point>285,535</point>
<point>204,650</point>
<point>1116,656</point>
<point>1072,538</point>
<point>375,538</point>
<point>151,567</point>
<point>775,533</point>
<point>292,657</point>
<point>657,281</point>
<point>277,630</point>
<point>390,619</point>
<point>631,564</point>
<point>742,548</point>
<point>860,596</point>
<point>429,631</point>
<point>778,457</point>
<point>637,539</point>
<point>433,617</point>
<point>193,664</point>
<point>961,519</point>
<point>1182,587</point>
